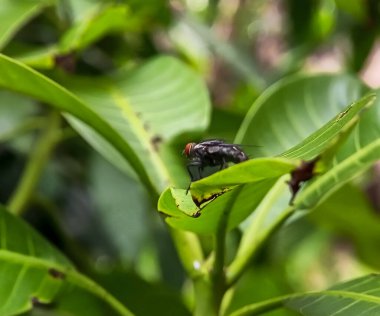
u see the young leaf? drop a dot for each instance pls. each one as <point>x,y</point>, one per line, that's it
<point>315,143</point>
<point>255,177</point>
<point>253,170</point>
<point>33,272</point>
<point>205,221</point>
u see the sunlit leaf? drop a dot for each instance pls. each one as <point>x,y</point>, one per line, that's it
<point>252,178</point>
<point>206,220</point>
<point>148,107</point>
<point>19,78</point>
<point>134,112</point>
<point>253,170</point>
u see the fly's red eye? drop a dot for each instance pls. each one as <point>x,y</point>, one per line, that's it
<point>188,149</point>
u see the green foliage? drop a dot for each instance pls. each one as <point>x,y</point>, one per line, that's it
<point>34,272</point>
<point>96,107</point>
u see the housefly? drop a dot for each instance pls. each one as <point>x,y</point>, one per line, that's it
<point>211,153</point>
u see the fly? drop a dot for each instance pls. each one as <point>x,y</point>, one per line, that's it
<point>211,153</point>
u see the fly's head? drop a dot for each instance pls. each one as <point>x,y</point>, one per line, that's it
<point>189,149</point>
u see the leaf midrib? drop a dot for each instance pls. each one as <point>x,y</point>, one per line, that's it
<point>281,301</point>
<point>14,257</point>
<point>71,274</point>
<point>137,127</point>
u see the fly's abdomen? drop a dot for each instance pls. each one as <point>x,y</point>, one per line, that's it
<point>241,156</point>
<point>235,154</point>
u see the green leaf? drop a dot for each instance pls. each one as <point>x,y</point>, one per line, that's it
<point>254,177</point>
<point>360,296</point>
<point>32,269</point>
<point>269,215</point>
<point>253,170</point>
<point>36,57</point>
<point>148,106</point>
<point>207,219</point>
<point>133,112</point>
<point>314,144</point>
<point>292,109</point>
<point>20,78</point>
<point>337,176</point>
<point>136,292</point>
<point>15,14</point>
<point>356,297</point>
<point>95,25</point>
<point>120,208</point>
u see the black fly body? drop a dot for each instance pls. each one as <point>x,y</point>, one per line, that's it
<point>211,153</point>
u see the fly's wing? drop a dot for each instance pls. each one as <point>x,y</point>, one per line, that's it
<point>212,142</point>
<point>209,147</point>
<point>217,149</point>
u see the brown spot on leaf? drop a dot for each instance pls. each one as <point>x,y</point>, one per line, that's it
<point>156,141</point>
<point>343,113</point>
<point>67,62</point>
<point>304,172</point>
<point>37,303</point>
<point>56,274</point>
<point>196,214</point>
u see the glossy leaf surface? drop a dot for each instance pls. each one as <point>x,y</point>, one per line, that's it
<point>133,114</point>
<point>360,296</point>
<point>356,297</point>
<point>292,109</point>
<point>253,178</point>
<point>147,106</point>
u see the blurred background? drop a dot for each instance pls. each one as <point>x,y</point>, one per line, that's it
<point>240,48</point>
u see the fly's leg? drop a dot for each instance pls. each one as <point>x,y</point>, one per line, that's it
<point>223,165</point>
<point>190,168</point>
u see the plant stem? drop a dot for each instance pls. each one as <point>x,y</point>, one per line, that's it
<point>244,258</point>
<point>217,275</point>
<point>203,298</point>
<point>37,160</point>
<point>189,251</point>
<point>26,126</point>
